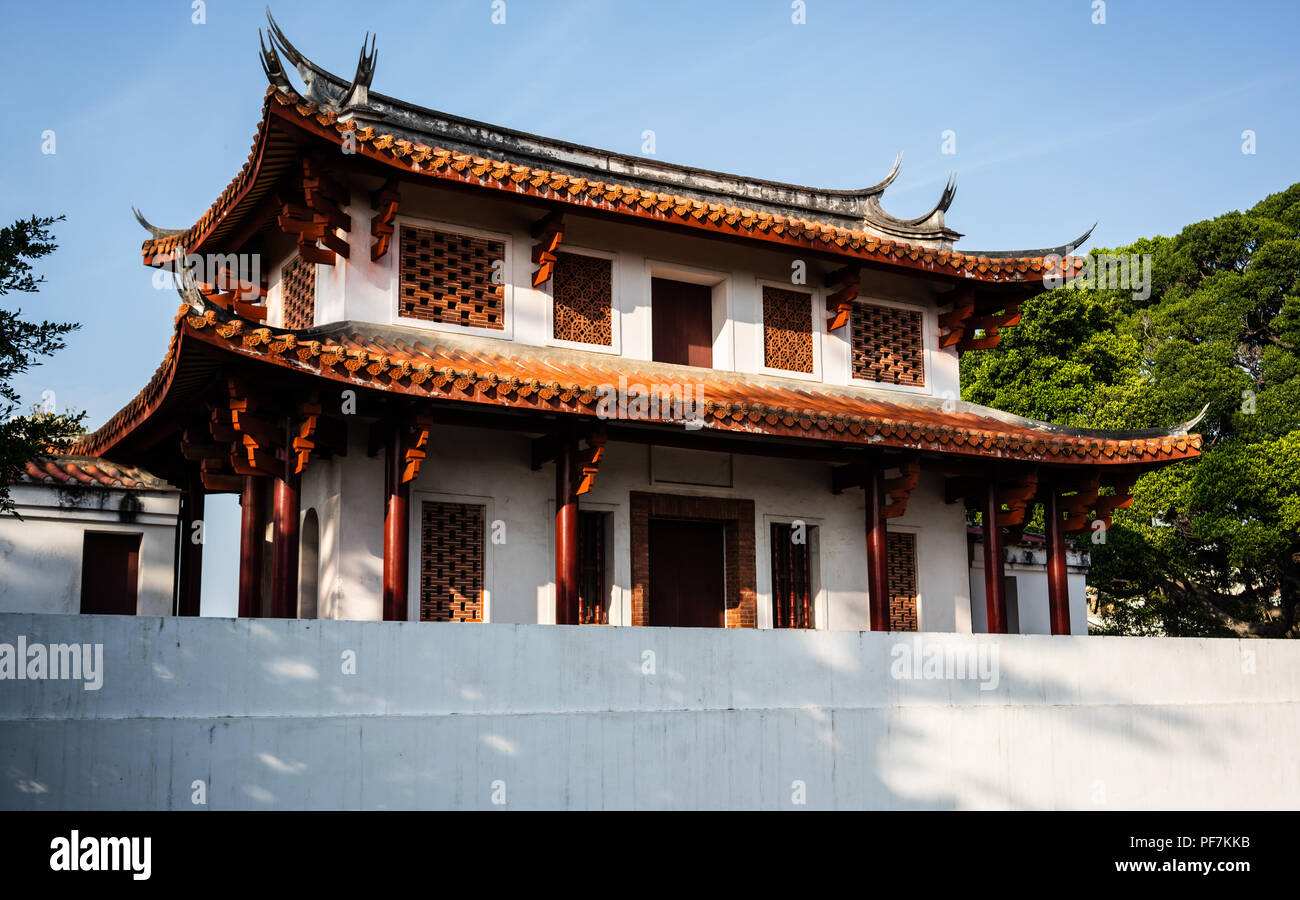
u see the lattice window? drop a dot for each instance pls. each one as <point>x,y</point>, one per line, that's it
<point>792,593</point>
<point>451,278</point>
<point>887,345</point>
<point>900,551</point>
<point>298,293</point>
<point>593,598</point>
<point>451,562</point>
<point>584,293</point>
<point>787,330</point>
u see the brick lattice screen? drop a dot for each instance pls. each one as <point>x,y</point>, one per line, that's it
<point>900,551</point>
<point>737,517</point>
<point>451,562</point>
<point>447,278</point>
<point>584,292</point>
<point>787,330</point>
<point>298,293</point>
<point>887,345</point>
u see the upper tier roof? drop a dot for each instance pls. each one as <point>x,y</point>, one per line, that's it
<point>419,141</point>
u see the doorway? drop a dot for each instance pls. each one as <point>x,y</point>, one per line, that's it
<point>110,573</point>
<point>687,573</point>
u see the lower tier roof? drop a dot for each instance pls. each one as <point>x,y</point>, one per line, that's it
<point>452,369</point>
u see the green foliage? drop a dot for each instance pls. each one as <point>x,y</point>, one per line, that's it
<point>22,344</point>
<point>1211,546</point>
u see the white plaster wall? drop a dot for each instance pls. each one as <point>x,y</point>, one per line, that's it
<point>357,592</point>
<point>492,468</point>
<point>364,291</point>
<point>443,716</point>
<point>41,549</point>
<point>1031,587</point>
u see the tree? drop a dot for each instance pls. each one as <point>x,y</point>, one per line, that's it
<point>1209,546</point>
<point>22,344</point>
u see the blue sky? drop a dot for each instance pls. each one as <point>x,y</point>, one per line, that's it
<point>1058,122</point>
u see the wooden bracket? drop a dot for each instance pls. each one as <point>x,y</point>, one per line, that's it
<point>899,488</point>
<point>970,315</point>
<point>953,322</point>
<point>588,461</point>
<point>306,416</point>
<point>840,303</point>
<point>416,446</point>
<point>546,449</point>
<point>318,216</point>
<point>549,232</point>
<point>1018,496</point>
<point>384,203</point>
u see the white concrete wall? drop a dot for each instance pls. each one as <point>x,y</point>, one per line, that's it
<point>491,467</point>
<point>262,713</point>
<point>1031,589</point>
<point>41,549</point>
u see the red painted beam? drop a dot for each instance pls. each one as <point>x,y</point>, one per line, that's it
<point>994,576</point>
<point>397,529</point>
<point>1058,591</point>
<point>252,538</point>
<point>566,534</point>
<point>877,550</point>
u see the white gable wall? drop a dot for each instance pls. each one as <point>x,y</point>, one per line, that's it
<point>41,552</point>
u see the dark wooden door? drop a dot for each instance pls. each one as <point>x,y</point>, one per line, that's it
<point>687,582</point>
<point>110,567</point>
<point>681,322</point>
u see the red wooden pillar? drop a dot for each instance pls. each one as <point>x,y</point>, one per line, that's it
<point>284,549</point>
<point>877,550</point>
<point>191,586</point>
<point>397,529</point>
<point>995,596</point>
<point>1058,590</point>
<point>566,535</point>
<point>252,537</point>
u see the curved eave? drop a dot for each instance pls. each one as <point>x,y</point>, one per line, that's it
<point>414,160</point>
<point>398,360</point>
<point>422,121</point>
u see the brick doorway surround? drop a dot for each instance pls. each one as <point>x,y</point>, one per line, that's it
<point>737,518</point>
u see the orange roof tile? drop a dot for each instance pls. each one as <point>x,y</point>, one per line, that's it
<point>428,364</point>
<point>502,175</point>
<point>90,471</point>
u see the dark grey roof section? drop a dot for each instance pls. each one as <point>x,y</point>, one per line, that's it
<point>857,209</point>
<point>1063,250</point>
<point>154,229</point>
